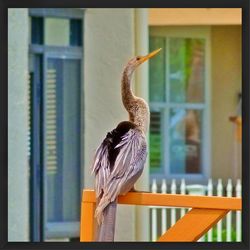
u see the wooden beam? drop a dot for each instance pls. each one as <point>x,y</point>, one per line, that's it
<point>172,200</point>
<point>195,16</point>
<point>193,225</point>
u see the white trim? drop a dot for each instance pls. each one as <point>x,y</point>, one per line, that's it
<point>166,134</point>
<point>208,125</point>
<point>69,13</point>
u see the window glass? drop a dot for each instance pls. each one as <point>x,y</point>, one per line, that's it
<point>36,30</point>
<point>185,141</point>
<point>75,32</point>
<point>62,140</point>
<point>57,31</point>
<point>186,69</point>
<point>157,84</point>
<point>155,140</point>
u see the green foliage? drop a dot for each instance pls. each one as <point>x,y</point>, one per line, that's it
<point>224,235</point>
<point>155,150</point>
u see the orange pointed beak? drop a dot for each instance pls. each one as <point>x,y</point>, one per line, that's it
<point>150,55</point>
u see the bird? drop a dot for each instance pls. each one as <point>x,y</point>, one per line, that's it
<point>119,160</point>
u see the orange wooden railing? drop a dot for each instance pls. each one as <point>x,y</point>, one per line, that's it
<point>205,213</point>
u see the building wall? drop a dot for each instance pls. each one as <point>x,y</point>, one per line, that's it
<point>194,16</point>
<point>108,45</point>
<point>226,84</point>
<point>18,191</point>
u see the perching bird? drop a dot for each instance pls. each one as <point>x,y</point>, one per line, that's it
<point>119,160</point>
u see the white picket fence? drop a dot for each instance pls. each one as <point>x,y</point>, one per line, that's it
<point>228,229</point>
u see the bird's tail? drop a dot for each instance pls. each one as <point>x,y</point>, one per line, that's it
<point>105,231</point>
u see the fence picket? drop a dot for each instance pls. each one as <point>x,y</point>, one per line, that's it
<point>219,224</point>
<point>183,191</point>
<point>164,210</point>
<point>154,214</point>
<point>238,213</point>
<point>210,193</point>
<point>173,210</point>
<point>229,215</point>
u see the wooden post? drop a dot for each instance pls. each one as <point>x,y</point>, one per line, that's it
<point>87,221</point>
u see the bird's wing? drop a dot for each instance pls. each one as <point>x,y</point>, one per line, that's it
<point>101,168</point>
<point>128,165</point>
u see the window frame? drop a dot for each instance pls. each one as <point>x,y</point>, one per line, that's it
<point>69,13</point>
<point>203,32</point>
<point>39,226</point>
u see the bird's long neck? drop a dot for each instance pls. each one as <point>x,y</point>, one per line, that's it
<point>127,95</point>
<point>137,108</point>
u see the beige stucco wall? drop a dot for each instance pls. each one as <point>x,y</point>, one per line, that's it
<point>18,179</point>
<point>109,42</point>
<point>195,16</point>
<point>226,84</point>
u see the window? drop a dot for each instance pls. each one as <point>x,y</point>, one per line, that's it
<point>55,89</point>
<point>179,92</point>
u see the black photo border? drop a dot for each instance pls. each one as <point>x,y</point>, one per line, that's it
<point>5,4</point>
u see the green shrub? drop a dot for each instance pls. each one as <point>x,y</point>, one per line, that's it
<point>224,235</point>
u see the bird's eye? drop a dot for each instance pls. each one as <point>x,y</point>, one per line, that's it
<point>137,58</point>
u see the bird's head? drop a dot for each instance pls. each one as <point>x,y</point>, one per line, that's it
<point>138,60</point>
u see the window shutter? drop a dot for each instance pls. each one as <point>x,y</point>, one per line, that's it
<point>51,152</point>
